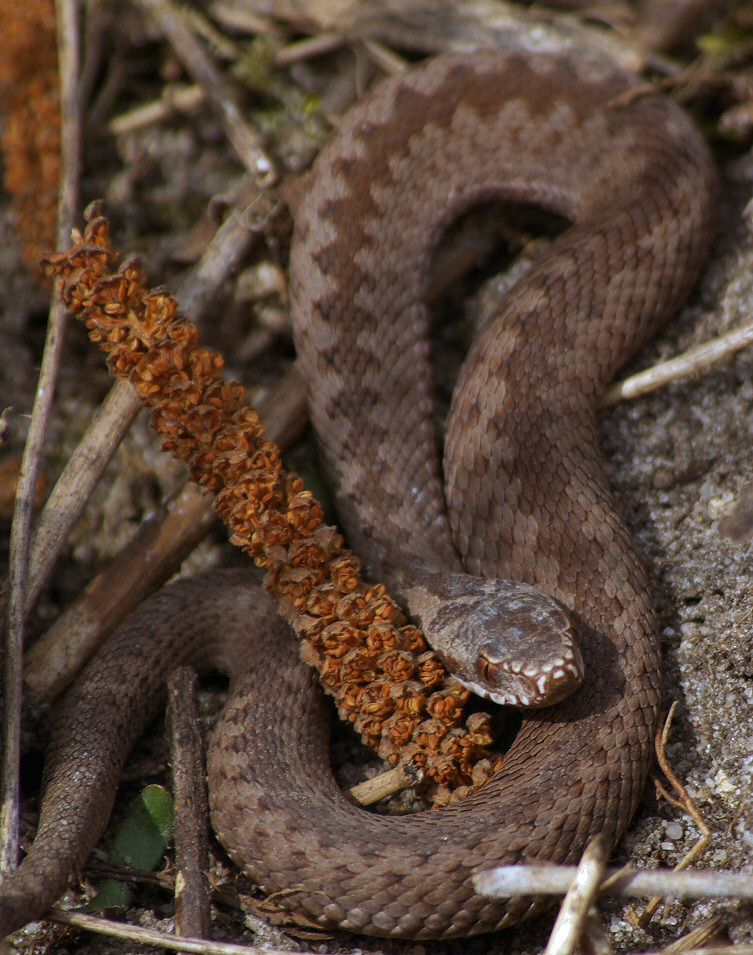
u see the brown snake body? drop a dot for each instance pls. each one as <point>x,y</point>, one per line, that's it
<point>525,491</point>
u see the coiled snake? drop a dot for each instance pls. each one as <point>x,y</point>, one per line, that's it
<point>525,494</point>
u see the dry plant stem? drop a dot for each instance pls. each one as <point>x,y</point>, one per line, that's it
<point>692,362</point>
<point>142,936</point>
<point>684,802</point>
<point>507,881</point>
<point>244,140</point>
<point>66,18</point>
<point>571,919</point>
<point>216,39</point>
<point>30,132</point>
<point>240,18</point>
<point>75,485</point>
<point>143,565</point>
<point>68,58</point>
<point>192,910</point>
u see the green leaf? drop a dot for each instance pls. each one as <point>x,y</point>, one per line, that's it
<point>140,843</point>
<point>146,831</point>
<point>111,894</point>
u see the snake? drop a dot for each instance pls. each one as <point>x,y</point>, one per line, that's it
<point>524,496</point>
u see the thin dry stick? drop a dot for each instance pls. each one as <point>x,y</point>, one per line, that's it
<point>309,48</point>
<point>384,57</point>
<point>243,138</point>
<point>236,18</point>
<point>175,98</point>
<point>386,784</point>
<point>192,910</point>
<point>579,899</point>
<point>68,54</point>
<point>74,486</point>
<point>594,940</point>
<point>691,362</point>
<point>509,880</point>
<point>144,936</point>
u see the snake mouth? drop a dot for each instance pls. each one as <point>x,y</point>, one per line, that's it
<point>529,685</point>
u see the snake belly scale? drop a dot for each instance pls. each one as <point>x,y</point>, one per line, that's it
<point>525,492</point>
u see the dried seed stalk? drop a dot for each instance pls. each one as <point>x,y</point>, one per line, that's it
<point>30,104</point>
<point>370,659</point>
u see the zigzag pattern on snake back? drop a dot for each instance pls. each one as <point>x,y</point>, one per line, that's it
<point>525,494</point>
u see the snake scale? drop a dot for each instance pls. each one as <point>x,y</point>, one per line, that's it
<point>526,495</point>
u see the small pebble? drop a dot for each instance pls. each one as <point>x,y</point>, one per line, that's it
<point>674,831</point>
<point>663,479</point>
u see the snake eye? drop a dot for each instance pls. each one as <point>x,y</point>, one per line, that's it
<point>485,667</point>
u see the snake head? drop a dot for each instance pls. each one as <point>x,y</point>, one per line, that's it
<point>503,640</point>
<point>551,675</point>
